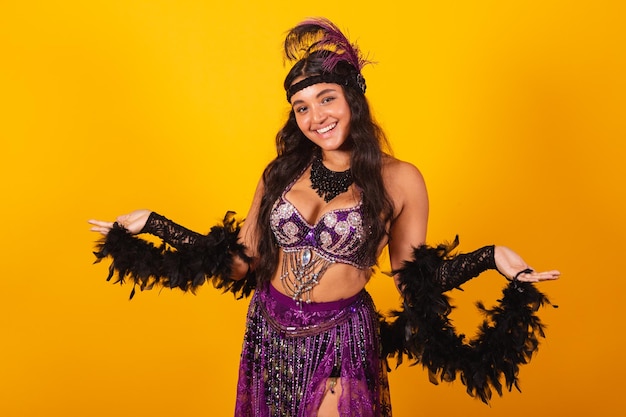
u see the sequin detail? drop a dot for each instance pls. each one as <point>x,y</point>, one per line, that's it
<point>310,249</point>
<point>337,237</point>
<point>290,353</point>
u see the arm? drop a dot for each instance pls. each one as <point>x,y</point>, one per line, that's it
<point>407,189</point>
<point>421,329</point>
<point>146,221</point>
<point>248,237</point>
<point>223,256</point>
<point>242,262</point>
<point>210,258</point>
<point>408,231</point>
<point>170,232</point>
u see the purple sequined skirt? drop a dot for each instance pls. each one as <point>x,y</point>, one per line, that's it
<point>290,351</point>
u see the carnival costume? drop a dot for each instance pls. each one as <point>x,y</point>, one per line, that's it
<point>295,349</point>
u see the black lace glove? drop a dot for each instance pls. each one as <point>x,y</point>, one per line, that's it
<point>172,233</point>
<point>461,268</point>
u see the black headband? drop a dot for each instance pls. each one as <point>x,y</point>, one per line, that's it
<point>357,82</point>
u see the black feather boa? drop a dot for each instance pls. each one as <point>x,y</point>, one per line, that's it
<point>421,330</point>
<point>187,268</point>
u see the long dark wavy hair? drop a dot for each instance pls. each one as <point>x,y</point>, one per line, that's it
<point>294,152</point>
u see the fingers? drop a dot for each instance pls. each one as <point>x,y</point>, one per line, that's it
<point>535,276</point>
<point>100,226</point>
<point>100,223</point>
<point>133,222</point>
<point>528,270</point>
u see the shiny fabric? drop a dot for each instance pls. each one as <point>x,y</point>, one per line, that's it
<point>291,350</point>
<point>337,237</point>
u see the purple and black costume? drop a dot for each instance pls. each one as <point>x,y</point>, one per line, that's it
<point>293,347</point>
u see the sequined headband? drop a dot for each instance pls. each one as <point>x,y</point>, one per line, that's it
<point>357,82</point>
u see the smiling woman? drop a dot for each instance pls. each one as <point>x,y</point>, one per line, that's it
<point>324,210</point>
<point>323,115</point>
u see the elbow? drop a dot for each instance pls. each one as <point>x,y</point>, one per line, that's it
<point>240,268</point>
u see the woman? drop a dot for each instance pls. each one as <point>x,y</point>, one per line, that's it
<point>323,211</point>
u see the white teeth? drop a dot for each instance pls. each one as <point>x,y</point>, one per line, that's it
<point>327,128</point>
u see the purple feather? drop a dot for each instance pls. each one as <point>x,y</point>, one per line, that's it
<point>321,34</point>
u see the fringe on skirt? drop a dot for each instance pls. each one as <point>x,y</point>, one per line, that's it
<point>291,350</point>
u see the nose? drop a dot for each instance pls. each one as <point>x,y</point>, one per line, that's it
<point>318,115</point>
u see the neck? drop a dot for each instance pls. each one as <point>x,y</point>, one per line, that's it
<point>336,160</point>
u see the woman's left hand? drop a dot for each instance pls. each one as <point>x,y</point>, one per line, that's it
<point>512,266</point>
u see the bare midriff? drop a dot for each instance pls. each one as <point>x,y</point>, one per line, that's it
<point>339,281</point>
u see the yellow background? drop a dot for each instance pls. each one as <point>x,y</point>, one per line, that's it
<point>513,110</point>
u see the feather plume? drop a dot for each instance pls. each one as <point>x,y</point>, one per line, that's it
<point>316,34</point>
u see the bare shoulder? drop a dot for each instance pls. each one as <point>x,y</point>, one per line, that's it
<point>406,186</point>
<point>401,175</point>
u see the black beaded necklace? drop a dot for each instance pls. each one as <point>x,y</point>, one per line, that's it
<point>329,184</point>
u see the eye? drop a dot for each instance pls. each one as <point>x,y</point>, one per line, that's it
<point>327,99</point>
<point>300,109</point>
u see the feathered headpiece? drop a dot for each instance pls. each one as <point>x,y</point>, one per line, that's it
<point>320,34</point>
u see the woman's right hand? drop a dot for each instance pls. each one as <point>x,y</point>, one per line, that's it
<point>133,222</point>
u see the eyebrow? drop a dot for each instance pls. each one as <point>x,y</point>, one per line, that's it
<point>324,91</point>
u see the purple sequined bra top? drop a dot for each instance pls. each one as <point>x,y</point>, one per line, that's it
<point>337,237</point>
